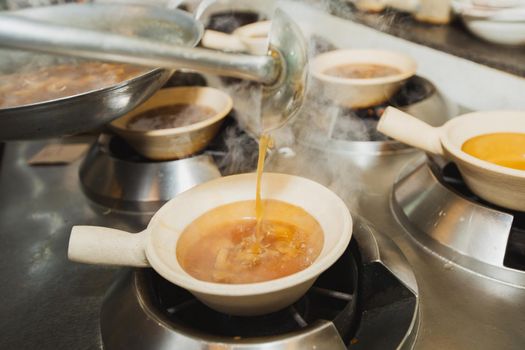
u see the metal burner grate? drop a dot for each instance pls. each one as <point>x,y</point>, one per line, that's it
<point>370,290</point>
<point>438,209</point>
<point>329,298</point>
<point>515,253</point>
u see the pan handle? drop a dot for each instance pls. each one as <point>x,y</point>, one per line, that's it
<point>221,41</point>
<point>107,246</point>
<point>405,128</point>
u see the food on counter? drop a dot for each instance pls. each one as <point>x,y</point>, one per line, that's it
<point>505,149</point>
<point>50,83</point>
<point>172,116</point>
<point>362,71</point>
<point>221,246</point>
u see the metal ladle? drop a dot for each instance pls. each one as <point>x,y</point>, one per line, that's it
<point>281,71</point>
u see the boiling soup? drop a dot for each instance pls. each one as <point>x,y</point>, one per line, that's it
<point>221,245</point>
<point>506,149</point>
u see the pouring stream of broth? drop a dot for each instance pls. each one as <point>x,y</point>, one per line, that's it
<point>264,142</point>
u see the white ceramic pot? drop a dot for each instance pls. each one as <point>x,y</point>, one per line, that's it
<point>174,143</point>
<point>252,38</point>
<point>156,246</point>
<point>496,184</point>
<point>499,32</point>
<point>361,93</point>
<point>497,21</point>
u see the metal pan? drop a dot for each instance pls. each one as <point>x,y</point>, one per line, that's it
<point>92,109</point>
<point>281,72</point>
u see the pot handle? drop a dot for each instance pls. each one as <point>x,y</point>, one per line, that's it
<point>405,128</point>
<point>221,41</point>
<point>107,246</point>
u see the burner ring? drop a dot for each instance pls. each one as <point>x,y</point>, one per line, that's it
<point>431,198</point>
<point>144,311</point>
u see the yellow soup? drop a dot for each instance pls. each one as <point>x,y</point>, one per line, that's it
<point>505,148</point>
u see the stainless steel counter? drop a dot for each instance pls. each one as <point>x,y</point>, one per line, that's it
<point>51,303</point>
<point>47,301</point>
<point>459,309</point>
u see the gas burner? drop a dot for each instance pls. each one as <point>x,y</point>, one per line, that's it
<point>354,130</point>
<point>515,253</point>
<point>359,297</point>
<point>117,177</point>
<point>328,299</point>
<point>438,209</point>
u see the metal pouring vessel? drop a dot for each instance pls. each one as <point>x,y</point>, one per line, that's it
<point>281,71</point>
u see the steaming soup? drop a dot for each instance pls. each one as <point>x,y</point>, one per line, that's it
<point>362,71</point>
<point>221,245</point>
<point>60,81</point>
<point>250,241</point>
<point>264,142</point>
<point>505,149</point>
<point>172,116</point>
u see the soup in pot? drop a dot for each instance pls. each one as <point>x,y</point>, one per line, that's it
<point>505,148</point>
<point>222,246</point>
<point>250,241</point>
<point>62,80</point>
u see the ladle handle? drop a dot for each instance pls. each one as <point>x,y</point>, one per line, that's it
<point>107,246</point>
<point>28,34</point>
<point>405,128</point>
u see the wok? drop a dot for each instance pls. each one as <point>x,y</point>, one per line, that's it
<point>91,109</point>
<point>145,36</point>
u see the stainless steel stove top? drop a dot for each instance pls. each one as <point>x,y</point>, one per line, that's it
<point>49,303</point>
<point>460,308</point>
<point>60,304</point>
<point>370,290</point>
<point>53,303</point>
<point>463,302</point>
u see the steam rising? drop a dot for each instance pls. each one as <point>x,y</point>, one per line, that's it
<point>304,146</point>
<point>240,152</point>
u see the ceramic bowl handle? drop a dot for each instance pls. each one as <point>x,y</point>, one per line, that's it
<point>106,246</point>
<point>221,41</point>
<point>410,130</point>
